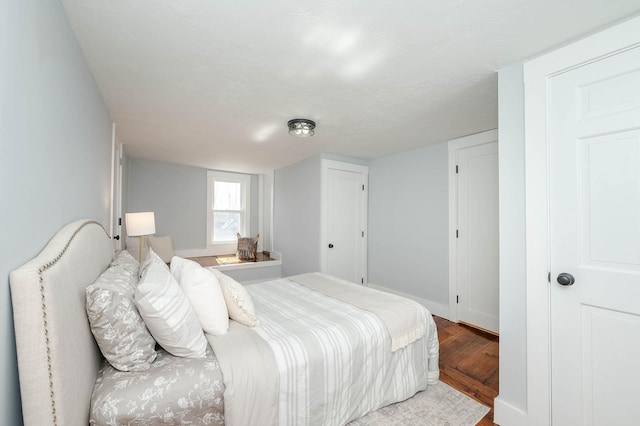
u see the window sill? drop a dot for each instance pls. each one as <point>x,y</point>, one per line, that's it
<point>231,263</point>
<point>248,265</point>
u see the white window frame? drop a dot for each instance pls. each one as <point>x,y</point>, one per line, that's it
<point>228,247</point>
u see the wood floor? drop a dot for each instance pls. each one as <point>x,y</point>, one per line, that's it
<point>469,362</point>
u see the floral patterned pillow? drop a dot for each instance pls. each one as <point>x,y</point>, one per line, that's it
<point>119,330</point>
<point>128,262</point>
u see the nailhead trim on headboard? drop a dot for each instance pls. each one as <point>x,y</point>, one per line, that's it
<point>44,312</point>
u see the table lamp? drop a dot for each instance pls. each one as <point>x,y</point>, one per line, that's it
<point>140,224</point>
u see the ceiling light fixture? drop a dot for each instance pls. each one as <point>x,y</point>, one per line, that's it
<point>301,127</point>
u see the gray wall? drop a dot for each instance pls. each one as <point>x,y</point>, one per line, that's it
<point>344,158</point>
<point>296,219</point>
<point>177,194</point>
<point>408,219</point>
<point>55,151</point>
<point>513,330</point>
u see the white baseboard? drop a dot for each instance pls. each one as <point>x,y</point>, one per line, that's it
<point>506,414</point>
<point>439,309</point>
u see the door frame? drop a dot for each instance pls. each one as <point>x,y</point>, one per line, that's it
<point>453,147</point>
<point>265,211</point>
<point>325,165</point>
<point>537,72</point>
<point>115,207</point>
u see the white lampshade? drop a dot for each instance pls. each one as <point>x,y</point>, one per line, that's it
<point>141,223</point>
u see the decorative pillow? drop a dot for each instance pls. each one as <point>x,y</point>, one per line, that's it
<point>204,293</point>
<point>115,322</point>
<point>151,259</point>
<point>128,262</point>
<point>180,265</point>
<point>133,246</point>
<point>163,246</point>
<point>168,313</point>
<point>239,303</point>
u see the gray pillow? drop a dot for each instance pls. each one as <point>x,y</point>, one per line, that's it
<point>119,330</point>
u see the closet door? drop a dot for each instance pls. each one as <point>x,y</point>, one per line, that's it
<point>475,246</point>
<point>478,236</point>
<point>344,203</point>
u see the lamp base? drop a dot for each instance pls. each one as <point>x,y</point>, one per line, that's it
<point>140,251</point>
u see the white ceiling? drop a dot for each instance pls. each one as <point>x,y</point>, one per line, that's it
<point>212,83</point>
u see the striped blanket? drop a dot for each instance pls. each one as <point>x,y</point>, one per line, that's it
<point>333,361</point>
<point>403,329</point>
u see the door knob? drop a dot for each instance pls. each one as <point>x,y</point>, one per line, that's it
<point>117,237</point>
<point>330,245</point>
<point>565,279</point>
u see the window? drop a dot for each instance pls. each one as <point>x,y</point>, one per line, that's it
<point>227,207</point>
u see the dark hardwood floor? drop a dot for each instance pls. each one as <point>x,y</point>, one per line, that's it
<point>469,362</point>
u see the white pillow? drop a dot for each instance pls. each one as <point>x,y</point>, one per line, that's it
<point>239,303</point>
<point>163,246</point>
<point>151,259</point>
<point>168,314</point>
<point>204,293</point>
<point>180,265</point>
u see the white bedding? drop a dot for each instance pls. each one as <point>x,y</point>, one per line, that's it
<point>403,329</point>
<point>332,360</point>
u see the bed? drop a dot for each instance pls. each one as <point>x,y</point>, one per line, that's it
<point>316,357</point>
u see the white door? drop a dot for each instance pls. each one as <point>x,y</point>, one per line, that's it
<point>345,240</point>
<point>594,154</point>
<point>116,195</point>
<point>477,236</point>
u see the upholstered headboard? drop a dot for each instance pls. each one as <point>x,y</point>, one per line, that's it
<point>58,358</point>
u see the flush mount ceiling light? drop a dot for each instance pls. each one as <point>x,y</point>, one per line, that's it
<point>301,127</point>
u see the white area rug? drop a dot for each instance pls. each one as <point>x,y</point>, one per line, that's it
<point>439,405</point>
